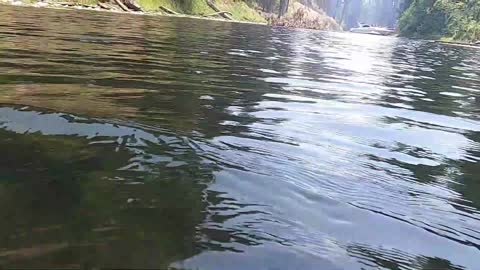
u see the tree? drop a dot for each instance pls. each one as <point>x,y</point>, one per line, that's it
<point>458,19</point>
<point>283,8</point>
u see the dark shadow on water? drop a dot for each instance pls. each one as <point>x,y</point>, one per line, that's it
<point>67,205</point>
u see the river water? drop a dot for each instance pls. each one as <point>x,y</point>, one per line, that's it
<point>147,142</point>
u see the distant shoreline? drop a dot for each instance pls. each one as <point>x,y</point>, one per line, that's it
<point>73,6</point>
<point>454,43</point>
<point>299,16</point>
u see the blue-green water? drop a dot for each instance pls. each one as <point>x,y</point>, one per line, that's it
<point>149,142</point>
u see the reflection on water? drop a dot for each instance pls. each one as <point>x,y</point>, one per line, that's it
<point>168,143</point>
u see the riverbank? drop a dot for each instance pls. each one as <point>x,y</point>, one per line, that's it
<point>454,43</point>
<point>298,16</point>
<point>241,14</point>
<point>223,10</point>
<point>447,20</point>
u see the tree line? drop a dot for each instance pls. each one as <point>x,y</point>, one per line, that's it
<point>456,19</point>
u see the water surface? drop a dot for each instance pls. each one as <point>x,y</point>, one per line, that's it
<point>149,142</point>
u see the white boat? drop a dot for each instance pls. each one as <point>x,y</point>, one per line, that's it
<point>372,30</point>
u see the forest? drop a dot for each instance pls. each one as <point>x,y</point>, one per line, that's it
<point>437,19</point>
<point>447,19</point>
<point>456,20</point>
<point>452,19</point>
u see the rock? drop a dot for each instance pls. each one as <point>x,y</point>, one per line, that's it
<point>40,4</point>
<point>206,97</point>
<point>301,16</point>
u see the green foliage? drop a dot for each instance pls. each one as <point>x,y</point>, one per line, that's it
<point>457,19</point>
<point>463,19</point>
<point>84,2</point>
<point>241,10</point>
<point>422,18</point>
<point>190,7</point>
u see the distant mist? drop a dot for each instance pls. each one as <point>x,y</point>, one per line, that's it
<point>352,12</point>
